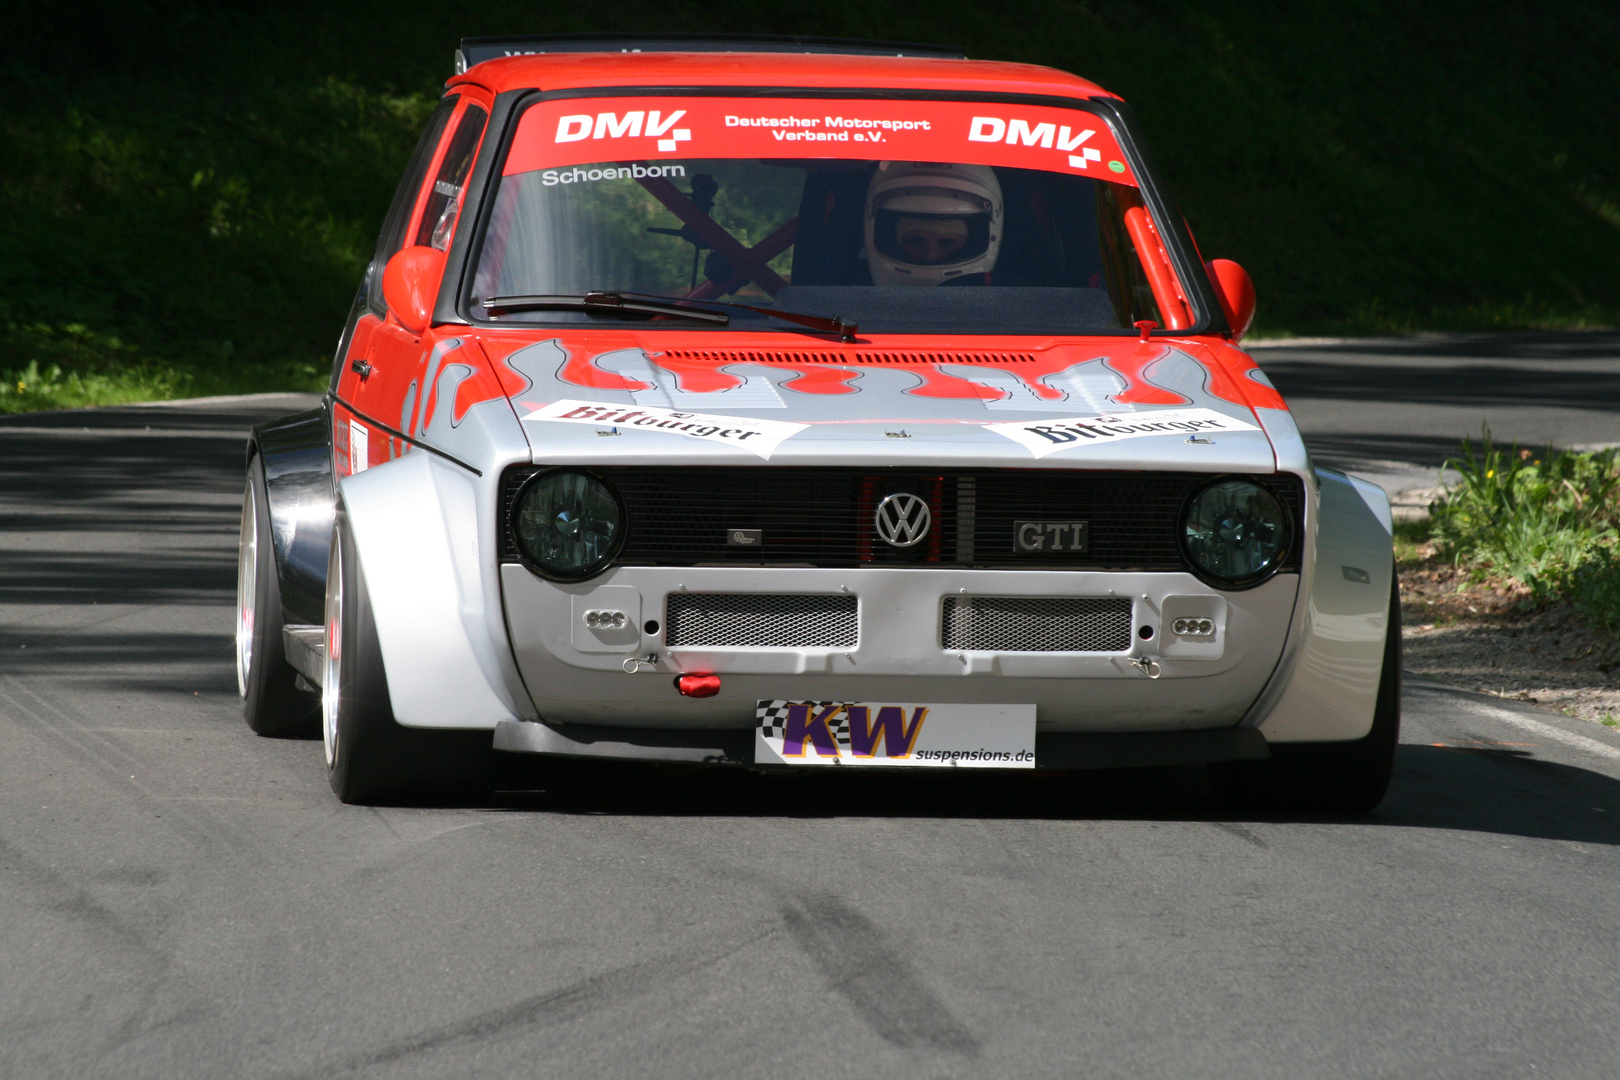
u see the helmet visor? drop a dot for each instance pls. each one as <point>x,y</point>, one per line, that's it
<point>917,239</point>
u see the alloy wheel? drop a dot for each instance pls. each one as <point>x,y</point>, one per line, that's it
<point>331,682</point>
<point>247,586</point>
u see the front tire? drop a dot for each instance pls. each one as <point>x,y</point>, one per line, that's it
<point>1329,778</point>
<point>370,757</point>
<point>272,702</point>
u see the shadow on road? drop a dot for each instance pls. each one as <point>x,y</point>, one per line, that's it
<point>172,470</point>
<point>1468,385</point>
<point>1573,371</point>
<point>1364,452</point>
<point>95,577</point>
<point>1503,791</point>
<point>1487,790</point>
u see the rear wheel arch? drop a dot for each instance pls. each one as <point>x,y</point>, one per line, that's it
<point>275,701</point>
<point>296,455</point>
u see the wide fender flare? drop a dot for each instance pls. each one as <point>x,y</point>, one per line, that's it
<point>430,573</point>
<point>1327,686</point>
<point>297,457</point>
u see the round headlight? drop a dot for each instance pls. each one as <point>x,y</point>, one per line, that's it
<point>569,524</point>
<point>1235,532</point>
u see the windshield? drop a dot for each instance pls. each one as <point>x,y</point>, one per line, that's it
<point>906,217</point>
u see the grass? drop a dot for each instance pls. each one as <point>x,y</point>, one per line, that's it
<point>1411,540</point>
<point>1548,521</point>
<point>72,367</point>
<point>191,190</point>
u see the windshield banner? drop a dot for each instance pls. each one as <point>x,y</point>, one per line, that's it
<point>639,132</point>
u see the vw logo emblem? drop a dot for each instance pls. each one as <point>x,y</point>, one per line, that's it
<point>903,519</point>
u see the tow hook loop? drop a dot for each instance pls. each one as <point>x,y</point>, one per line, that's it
<point>1147,666</point>
<point>698,685</point>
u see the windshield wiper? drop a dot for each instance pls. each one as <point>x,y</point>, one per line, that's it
<point>828,325</point>
<point>604,303</point>
<point>599,303</point>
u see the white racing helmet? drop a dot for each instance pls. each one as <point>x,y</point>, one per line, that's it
<point>928,222</point>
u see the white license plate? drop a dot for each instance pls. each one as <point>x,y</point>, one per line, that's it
<point>891,733</point>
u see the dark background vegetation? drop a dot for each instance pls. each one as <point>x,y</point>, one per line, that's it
<point>188,190</point>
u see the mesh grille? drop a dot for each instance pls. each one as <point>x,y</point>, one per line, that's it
<point>1037,624</point>
<point>680,516</point>
<point>759,621</point>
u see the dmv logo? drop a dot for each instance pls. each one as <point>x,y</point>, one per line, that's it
<point>1018,132</point>
<point>828,729</point>
<point>632,125</point>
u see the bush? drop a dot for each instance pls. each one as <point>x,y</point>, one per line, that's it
<point>1596,589</point>
<point>1549,522</point>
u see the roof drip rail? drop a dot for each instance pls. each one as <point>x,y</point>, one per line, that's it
<point>476,50</point>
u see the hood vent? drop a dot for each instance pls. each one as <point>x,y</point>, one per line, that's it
<point>811,356</point>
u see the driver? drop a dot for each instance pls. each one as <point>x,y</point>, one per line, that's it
<point>928,223</point>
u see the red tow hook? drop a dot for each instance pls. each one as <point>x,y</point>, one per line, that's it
<point>698,685</point>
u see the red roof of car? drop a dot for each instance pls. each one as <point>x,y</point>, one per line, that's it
<point>560,71</point>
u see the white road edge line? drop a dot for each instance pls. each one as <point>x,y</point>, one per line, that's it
<point>1547,731</point>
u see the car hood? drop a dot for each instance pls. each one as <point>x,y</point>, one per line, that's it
<point>677,399</point>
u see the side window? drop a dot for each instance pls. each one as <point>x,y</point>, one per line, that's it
<point>444,201</point>
<point>399,213</point>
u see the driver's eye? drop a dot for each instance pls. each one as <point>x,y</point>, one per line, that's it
<point>931,245</point>
<point>923,244</point>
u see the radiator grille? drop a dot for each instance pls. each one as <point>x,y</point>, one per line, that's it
<point>1036,624</point>
<point>760,621</point>
<point>681,516</point>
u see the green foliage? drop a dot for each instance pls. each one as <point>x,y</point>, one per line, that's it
<point>1595,585</point>
<point>169,236</point>
<point>203,182</point>
<point>1549,522</point>
<point>99,370</point>
<point>72,366</point>
<point>1411,539</point>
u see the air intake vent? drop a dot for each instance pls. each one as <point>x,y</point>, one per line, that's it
<point>809,356</point>
<point>761,621</point>
<point>1037,624</point>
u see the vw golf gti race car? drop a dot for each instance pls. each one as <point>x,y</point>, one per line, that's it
<point>791,403</point>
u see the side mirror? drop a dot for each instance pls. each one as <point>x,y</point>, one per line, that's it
<point>411,286</point>
<point>1236,291</point>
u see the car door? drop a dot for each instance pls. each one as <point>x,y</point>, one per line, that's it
<point>380,383</point>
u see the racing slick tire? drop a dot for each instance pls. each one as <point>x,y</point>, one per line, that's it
<point>1329,778</point>
<point>371,758</point>
<point>272,702</point>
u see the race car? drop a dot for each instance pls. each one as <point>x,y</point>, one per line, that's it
<point>793,403</point>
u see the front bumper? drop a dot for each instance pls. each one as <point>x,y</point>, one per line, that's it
<point>626,680</point>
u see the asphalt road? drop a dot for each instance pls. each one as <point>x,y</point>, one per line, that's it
<point>1394,409</point>
<point>179,898</point>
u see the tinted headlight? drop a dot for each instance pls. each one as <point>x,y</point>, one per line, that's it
<point>1235,532</point>
<point>569,524</point>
